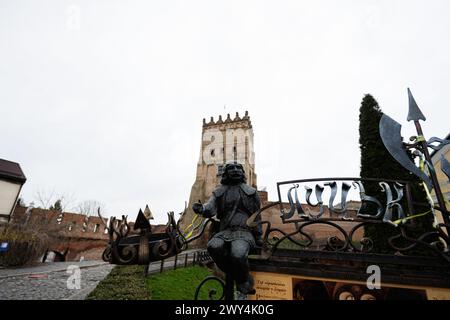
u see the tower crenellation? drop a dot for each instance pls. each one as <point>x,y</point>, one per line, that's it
<point>243,122</point>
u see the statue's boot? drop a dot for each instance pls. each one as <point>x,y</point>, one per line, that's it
<point>246,287</point>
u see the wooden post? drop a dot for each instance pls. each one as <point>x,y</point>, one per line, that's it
<point>185,260</point>
<point>193,260</point>
<point>175,262</point>
<point>162,266</point>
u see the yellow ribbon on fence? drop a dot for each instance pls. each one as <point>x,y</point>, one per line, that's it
<point>191,225</point>
<point>420,139</point>
<point>399,221</point>
<point>430,199</point>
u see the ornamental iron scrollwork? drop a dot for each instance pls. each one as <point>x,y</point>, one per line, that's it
<point>347,223</point>
<point>212,293</point>
<point>143,246</point>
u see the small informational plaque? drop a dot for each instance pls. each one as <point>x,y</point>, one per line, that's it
<point>272,286</point>
<point>438,294</point>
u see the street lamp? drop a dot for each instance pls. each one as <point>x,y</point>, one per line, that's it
<point>11,181</point>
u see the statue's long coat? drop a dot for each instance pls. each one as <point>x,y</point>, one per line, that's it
<point>249,203</point>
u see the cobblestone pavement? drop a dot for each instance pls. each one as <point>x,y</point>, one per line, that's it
<point>50,282</point>
<point>47,267</point>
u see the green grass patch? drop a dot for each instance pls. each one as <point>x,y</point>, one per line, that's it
<point>128,283</point>
<point>123,283</point>
<point>180,284</point>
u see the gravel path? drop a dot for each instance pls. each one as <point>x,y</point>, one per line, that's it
<point>50,282</point>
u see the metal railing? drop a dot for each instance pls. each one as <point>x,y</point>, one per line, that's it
<point>185,260</point>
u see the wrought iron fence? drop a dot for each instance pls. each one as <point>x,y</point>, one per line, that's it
<point>344,223</point>
<point>202,257</point>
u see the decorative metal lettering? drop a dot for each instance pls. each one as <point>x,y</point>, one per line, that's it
<point>345,189</point>
<point>392,203</point>
<point>290,213</point>
<point>318,191</point>
<point>367,199</point>
<point>344,237</point>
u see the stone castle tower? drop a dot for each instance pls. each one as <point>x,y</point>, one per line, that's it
<point>222,141</point>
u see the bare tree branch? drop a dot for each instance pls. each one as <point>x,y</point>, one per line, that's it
<point>46,199</point>
<point>89,207</point>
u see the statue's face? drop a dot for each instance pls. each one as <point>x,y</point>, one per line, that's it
<point>235,172</point>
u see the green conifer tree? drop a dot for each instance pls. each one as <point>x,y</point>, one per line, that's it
<point>376,162</point>
<point>57,206</point>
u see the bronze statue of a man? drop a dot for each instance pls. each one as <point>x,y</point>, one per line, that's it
<point>233,203</point>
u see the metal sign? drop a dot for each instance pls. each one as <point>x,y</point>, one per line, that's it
<point>4,246</point>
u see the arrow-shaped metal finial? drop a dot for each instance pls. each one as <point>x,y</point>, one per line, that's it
<point>141,222</point>
<point>445,167</point>
<point>414,113</point>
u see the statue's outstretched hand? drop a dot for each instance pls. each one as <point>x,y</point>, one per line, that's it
<point>197,207</point>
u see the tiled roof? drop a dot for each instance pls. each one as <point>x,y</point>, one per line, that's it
<point>11,171</point>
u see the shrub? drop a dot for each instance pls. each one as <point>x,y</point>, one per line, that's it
<point>25,246</point>
<point>28,240</point>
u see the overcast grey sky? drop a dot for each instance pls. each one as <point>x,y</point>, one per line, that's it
<point>104,100</point>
